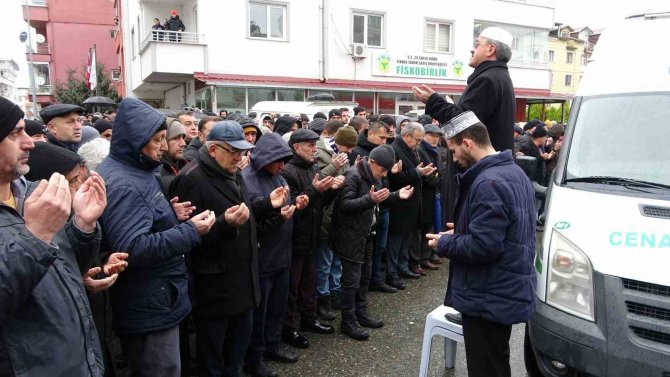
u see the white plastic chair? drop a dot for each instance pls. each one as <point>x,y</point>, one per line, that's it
<point>437,324</point>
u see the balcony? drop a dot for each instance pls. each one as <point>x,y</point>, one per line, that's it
<point>172,57</point>
<point>42,90</point>
<point>38,9</point>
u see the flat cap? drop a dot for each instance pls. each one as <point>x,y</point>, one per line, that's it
<point>59,110</point>
<point>303,134</point>
<point>433,129</point>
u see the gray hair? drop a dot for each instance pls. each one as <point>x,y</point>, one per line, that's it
<point>358,122</point>
<point>209,143</point>
<point>503,51</point>
<point>410,127</point>
<point>94,151</point>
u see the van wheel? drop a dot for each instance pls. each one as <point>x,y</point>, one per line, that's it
<point>529,357</point>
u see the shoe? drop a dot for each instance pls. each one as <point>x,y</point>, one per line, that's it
<point>454,317</point>
<point>260,370</point>
<point>280,356</point>
<point>410,275</point>
<point>313,325</point>
<point>323,308</point>
<point>429,266</point>
<point>335,300</point>
<point>381,287</point>
<point>294,338</point>
<point>436,260</point>
<point>353,329</point>
<point>418,270</point>
<point>396,283</point>
<point>365,320</point>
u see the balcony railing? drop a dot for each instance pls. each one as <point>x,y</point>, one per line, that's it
<point>165,36</point>
<point>38,3</point>
<point>42,89</point>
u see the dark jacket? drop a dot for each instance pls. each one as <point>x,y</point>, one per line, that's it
<point>191,151</point>
<point>406,215</point>
<point>528,148</point>
<point>274,234</point>
<point>63,144</point>
<point>46,327</point>
<point>491,254</point>
<point>490,95</point>
<point>152,294</point>
<point>174,24</point>
<point>354,213</point>
<point>432,183</point>
<point>363,147</point>
<point>226,263</point>
<point>306,223</point>
<point>168,172</point>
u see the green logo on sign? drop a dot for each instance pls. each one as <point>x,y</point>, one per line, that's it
<point>562,225</point>
<point>457,68</point>
<point>384,63</point>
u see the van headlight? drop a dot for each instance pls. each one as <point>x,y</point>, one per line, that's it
<point>570,279</point>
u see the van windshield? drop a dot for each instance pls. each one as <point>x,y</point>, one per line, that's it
<point>624,136</point>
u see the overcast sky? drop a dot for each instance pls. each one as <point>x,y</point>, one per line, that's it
<point>592,13</point>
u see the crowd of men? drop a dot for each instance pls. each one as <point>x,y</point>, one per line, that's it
<point>245,235</point>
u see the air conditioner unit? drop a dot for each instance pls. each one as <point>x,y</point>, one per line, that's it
<point>359,50</point>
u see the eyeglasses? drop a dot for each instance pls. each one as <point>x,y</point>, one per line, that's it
<point>234,152</point>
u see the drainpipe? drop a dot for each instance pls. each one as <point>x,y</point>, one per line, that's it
<point>323,71</point>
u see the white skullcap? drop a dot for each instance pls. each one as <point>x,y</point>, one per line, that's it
<point>498,34</point>
<point>459,123</point>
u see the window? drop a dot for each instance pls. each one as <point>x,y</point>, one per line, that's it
<point>231,99</point>
<point>133,48</point>
<point>437,37</point>
<point>569,57</point>
<point>256,95</point>
<point>267,21</point>
<point>290,95</point>
<point>368,29</point>
<point>112,34</point>
<point>116,74</point>
<point>551,56</point>
<point>568,80</point>
<point>585,60</point>
<point>529,44</point>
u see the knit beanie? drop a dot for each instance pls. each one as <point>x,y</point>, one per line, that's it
<point>174,128</point>
<point>539,132</point>
<point>88,133</point>
<point>317,125</point>
<point>102,125</point>
<point>346,136</point>
<point>384,156</point>
<point>10,115</point>
<point>46,159</point>
<point>35,127</point>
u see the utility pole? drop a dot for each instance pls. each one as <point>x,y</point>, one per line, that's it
<point>32,67</point>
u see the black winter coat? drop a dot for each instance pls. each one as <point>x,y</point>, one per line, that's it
<point>490,95</point>
<point>175,24</point>
<point>406,215</point>
<point>225,266</point>
<point>432,183</point>
<point>191,151</point>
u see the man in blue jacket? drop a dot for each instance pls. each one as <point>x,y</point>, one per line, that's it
<point>151,297</point>
<point>491,249</point>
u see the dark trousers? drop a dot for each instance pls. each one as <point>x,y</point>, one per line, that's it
<point>355,282</point>
<point>269,315</point>
<point>153,354</point>
<point>486,347</point>
<point>380,247</point>
<point>426,252</point>
<point>222,343</point>
<point>302,290</point>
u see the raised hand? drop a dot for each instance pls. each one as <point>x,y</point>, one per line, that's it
<point>237,215</point>
<point>287,212</point>
<point>339,160</point>
<point>357,160</point>
<point>397,167</point>
<point>47,209</point>
<point>244,162</point>
<point>94,285</point>
<point>425,170</point>
<point>322,185</point>
<point>116,263</point>
<point>379,196</point>
<point>301,202</point>
<point>89,202</point>
<point>278,196</point>
<point>433,239</point>
<point>422,92</point>
<point>406,192</point>
<point>203,221</point>
<point>183,209</point>
<point>337,182</point>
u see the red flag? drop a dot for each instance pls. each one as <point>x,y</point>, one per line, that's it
<point>88,70</point>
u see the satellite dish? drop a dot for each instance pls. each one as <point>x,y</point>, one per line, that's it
<point>39,80</point>
<point>39,38</point>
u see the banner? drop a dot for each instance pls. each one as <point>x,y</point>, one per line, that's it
<point>444,67</point>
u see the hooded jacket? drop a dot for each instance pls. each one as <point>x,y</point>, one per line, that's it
<point>490,95</point>
<point>152,294</point>
<point>191,151</point>
<point>491,252</point>
<point>46,327</point>
<point>274,234</point>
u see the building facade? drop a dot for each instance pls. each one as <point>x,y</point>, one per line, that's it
<point>236,53</point>
<point>65,30</point>
<point>566,59</point>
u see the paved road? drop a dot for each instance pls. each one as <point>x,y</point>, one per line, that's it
<point>395,349</point>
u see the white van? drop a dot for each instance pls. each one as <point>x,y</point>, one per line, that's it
<point>603,292</point>
<point>308,108</point>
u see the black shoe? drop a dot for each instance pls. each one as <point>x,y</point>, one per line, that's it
<point>454,317</point>
<point>260,370</point>
<point>313,325</point>
<point>352,329</point>
<point>280,356</point>
<point>365,320</point>
<point>436,260</point>
<point>294,338</point>
<point>409,275</point>
<point>381,287</point>
<point>324,309</point>
<point>396,283</point>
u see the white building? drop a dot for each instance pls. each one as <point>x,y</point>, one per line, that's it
<point>9,71</point>
<point>238,52</point>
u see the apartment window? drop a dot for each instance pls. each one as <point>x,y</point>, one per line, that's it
<point>437,37</point>
<point>368,29</point>
<point>267,21</point>
<point>568,80</point>
<point>551,56</point>
<point>133,47</point>
<point>529,44</point>
<point>116,74</point>
<point>569,57</point>
<point>112,34</point>
<point>585,60</point>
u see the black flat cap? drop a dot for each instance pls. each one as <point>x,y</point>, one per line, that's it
<point>58,110</point>
<point>303,134</point>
